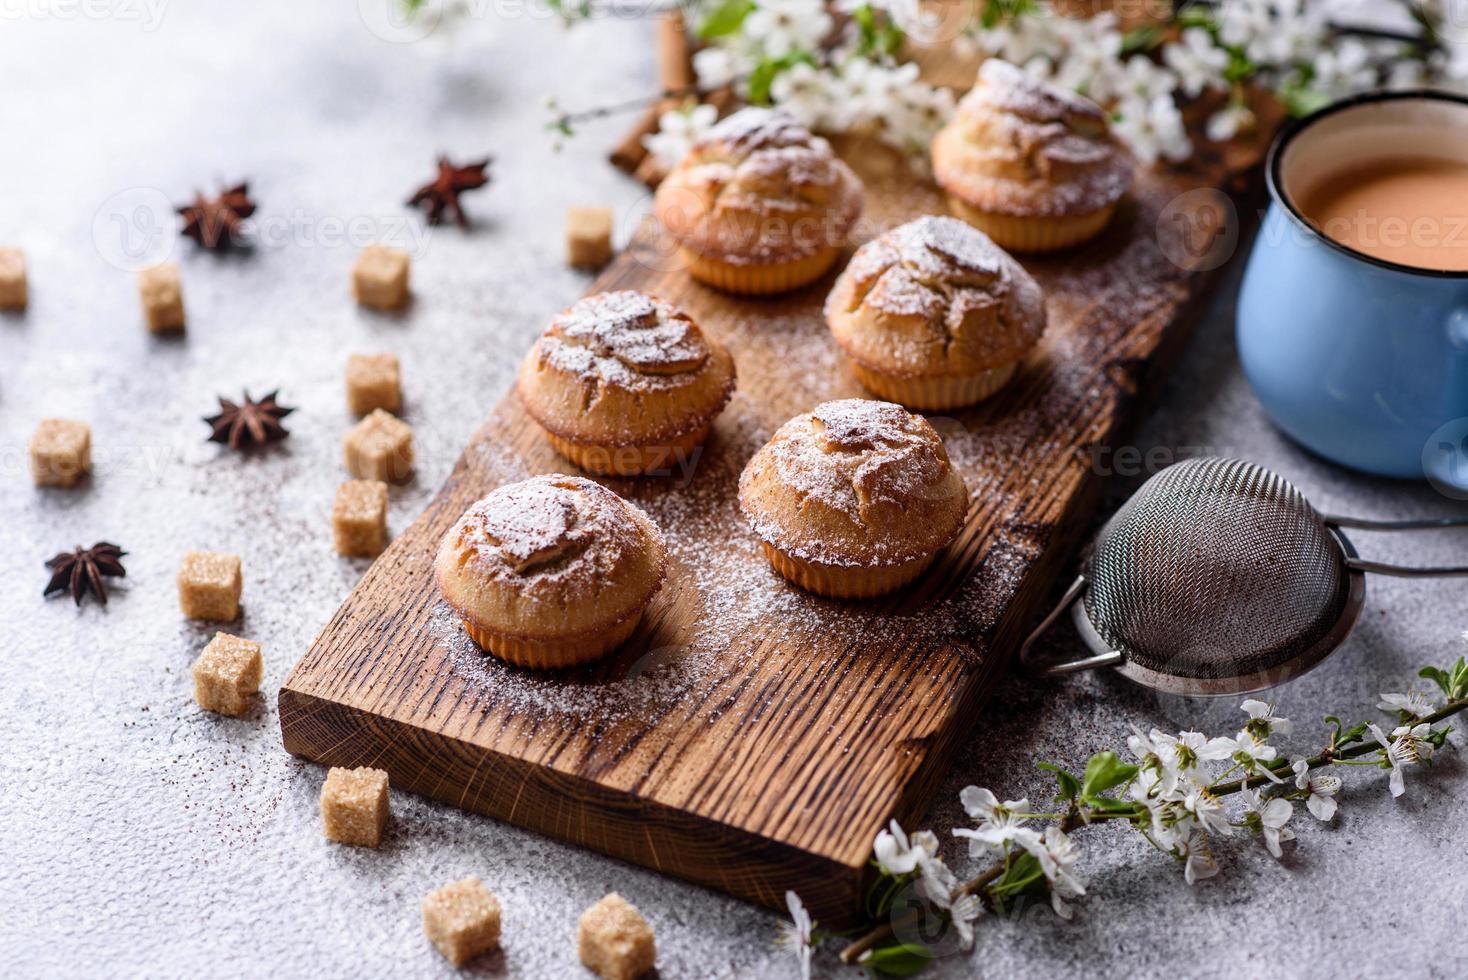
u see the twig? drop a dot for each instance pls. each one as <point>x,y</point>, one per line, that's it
<point>1073,820</point>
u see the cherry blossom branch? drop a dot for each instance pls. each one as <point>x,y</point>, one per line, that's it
<point>1332,755</point>
<point>1079,816</point>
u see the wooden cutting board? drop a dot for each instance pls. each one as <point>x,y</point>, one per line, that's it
<point>751,737</point>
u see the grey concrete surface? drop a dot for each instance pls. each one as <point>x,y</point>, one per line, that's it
<point>141,837</point>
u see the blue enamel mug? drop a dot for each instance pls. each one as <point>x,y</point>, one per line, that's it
<point>1360,359</point>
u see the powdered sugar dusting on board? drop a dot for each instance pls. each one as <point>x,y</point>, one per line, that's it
<point>744,609</point>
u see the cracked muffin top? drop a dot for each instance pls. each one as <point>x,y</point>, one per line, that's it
<point>935,297</point>
<point>552,555</point>
<point>1017,145</point>
<point>623,368</point>
<point>758,188</point>
<point>854,483</point>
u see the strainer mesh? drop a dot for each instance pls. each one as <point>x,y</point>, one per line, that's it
<point>1215,568</point>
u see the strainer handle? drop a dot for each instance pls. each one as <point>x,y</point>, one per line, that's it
<point>1026,650</point>
<point>1401,571</point>
<point>1362,524</point>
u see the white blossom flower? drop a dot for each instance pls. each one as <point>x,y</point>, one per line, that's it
<point>677,129</point>
<point>998,822</point>
<point>1143,80</point>
<point>1153,130</point>
<point>1395,757</point>
<point>1414,703</point>
<point>1198,61</point>
<point>1197,858</point>
<point>1268,819</point>
<point>1189,749</point>
<point>804,91</point>
<point>1272,32</point>
<point>982,805</point>
<point>1206,810</point>
<point>717,66</point>
<point>1253,754</point>
<point>1057,855</point>
<point>1343,69</point>
<point>795,935</point>
<point>938,884</point>
<point>783,27</point>
<point>1263,720</point>
<point>1092,58</point>
<point>1322,789</point>
<point>1228,122</point>
<point>896,855</point>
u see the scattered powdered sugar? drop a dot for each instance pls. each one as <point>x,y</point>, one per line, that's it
<point>739,614</point>
<point>744,611</point>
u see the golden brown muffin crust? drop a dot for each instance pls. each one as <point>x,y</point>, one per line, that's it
<point>1020,146</point>
<point>854,483</point>
<point>624,368</point>
<point>552,556</point>
<point>759,189</point>
<point>935,297</point>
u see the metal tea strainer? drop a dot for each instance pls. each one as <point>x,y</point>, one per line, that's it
<point>1217,578</point>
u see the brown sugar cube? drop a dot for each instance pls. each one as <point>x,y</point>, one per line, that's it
<point>615,941</point>
<point>588,237</point>
<point>209,585</point>
<point>14,293</point>
<point>379,447</point>
<point>354,806</point>
<point>359,518</point>
<point>61,452</point>
<point>162,295</point>
<point>462,920</point>
<point>373,383</point>
<point>380,277</point>
<point>227,675</point>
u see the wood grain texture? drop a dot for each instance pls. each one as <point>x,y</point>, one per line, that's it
<point>750,737</point>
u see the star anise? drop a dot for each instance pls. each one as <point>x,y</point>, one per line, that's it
<point>442,193</point>
<point>249,423</point>
<point>83,570</point>
<point>214,222</point>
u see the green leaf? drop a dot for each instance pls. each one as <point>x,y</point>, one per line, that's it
<point>760,80</point>
<point>725,19</point>
<point>1439,677</point>
<point>1069,785</point>
<point>1140,39</point>
<point>1303,101</point>
<point>898,960</point>
<point>884,891</point>
<point>1196,17</point>
<point>1104,771</point>
<point>1022,872</point>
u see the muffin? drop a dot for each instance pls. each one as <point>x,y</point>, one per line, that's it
<point>623,383</point>
<point>1033,166</point>
<point>759,205</point>
<point>552,571</point>
<point>935,316</point>
<point>854,499</point>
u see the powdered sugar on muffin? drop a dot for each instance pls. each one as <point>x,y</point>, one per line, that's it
<point>854,482</point>
<point>553,538</point>
<point>934,297</point>
<point>1021,146</point>
<point>625,338</point>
